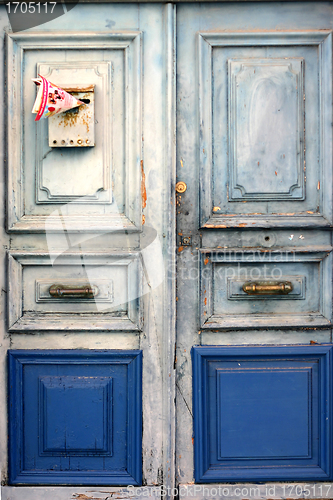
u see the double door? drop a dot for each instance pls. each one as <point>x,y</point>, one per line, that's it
<point>212,133</point>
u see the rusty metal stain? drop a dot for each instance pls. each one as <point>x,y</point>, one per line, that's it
<point>216,209</point>
<point>205,301</point>
<point>180,249</point>
<point>76,127</point>
<point>78,88</point>
<point>206,261</point>
<point>318,186</point>
<point>218,226</point>
<point>143,186</point>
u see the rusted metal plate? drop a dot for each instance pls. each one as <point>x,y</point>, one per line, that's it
<point>76,127</point>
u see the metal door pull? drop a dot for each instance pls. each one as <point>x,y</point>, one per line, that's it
<point>62,291</point>
<point>268,288</point>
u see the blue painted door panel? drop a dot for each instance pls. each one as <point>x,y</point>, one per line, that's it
<point>262,413</point>
<point>75,417</point>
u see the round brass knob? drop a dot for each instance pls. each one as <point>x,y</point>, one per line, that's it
<point>181,187</point>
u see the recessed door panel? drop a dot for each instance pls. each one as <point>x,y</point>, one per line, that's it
<point>90,188</point>
<point>252,288</point>
<point>260,412</point>
<point>264,129</point>
<point>78,418</point>
<point>87,172</point>
<point>74,292</point>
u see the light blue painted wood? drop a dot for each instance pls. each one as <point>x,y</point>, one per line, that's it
<point>225,305</point>
<point>118,278</point>
<point>136,122</point>
<point>98,188</point>
<point>235,208</point>
<point>155,146</point>
<point>266,129</point>
<point>270,160</point>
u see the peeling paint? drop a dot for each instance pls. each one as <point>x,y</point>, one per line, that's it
<point>82,496</point>
<point>218,226</point>
<point>143,186</point>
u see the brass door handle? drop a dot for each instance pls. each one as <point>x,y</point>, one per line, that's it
<point>61,291</point>
<point>268,288</point>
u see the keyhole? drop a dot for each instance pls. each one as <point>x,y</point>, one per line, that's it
<point>266,238</point>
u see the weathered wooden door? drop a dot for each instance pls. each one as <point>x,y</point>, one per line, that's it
<point>91,374</point>
<point>254,148</point>
<point>87,344</point>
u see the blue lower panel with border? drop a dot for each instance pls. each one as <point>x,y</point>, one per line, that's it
<point>262,413</point>
<point>75,417</point>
